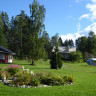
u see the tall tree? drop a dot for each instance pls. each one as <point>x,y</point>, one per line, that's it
<point>37,17</point>
<point>66,43</point>
<point>2,36</point>
<point>71,43</point>
<point>18,34</point>
<point>60,41</point>
<point>81,44</point>
<point>92,43</point>
<point>47,46</point>
<point>54,40</point>
<point>6,25</point>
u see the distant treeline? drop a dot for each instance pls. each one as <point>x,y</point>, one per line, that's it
<point>26,36</point>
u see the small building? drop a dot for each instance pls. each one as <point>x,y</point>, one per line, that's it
<point>6,56</point>
<point>91,61</point>
<point>65,51</point>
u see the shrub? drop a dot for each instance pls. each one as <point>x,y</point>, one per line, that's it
<point>54,81</point>
<point>53,61</point>
<point>13,69</point>
<point>25,78</point>
<point>76,56</point>
<point>50,79</point>
<point>4,74</point>
<point>34,81</point>
<point>69,78</point>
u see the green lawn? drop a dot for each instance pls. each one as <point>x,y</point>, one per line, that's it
<point>85,83</point>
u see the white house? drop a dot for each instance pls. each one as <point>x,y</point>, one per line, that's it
<point>65,51</point>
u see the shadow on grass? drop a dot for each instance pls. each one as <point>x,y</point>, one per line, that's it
<point>40,68</point>
<point>24,64</point>
<point>31,65</point>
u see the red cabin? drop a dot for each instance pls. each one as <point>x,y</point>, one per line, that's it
<point>6,56</point>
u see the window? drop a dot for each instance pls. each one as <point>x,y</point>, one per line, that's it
<point>1,56</point>
<point>93,61</point>
<point>10,57</point>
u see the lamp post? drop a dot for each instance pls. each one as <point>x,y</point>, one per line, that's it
<point>56,60</point>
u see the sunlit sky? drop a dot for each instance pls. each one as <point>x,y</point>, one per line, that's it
<point>69,18</point>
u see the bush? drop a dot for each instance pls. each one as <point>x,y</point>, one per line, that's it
<point>69,78</point>
<point>76,56</point>
<point>50,79</point>
<point>53,61</point>
<point>34,81</point>
<point>4,74</point>
<point>13,69</point>
<point>25,78</point>
<point>54,81</point>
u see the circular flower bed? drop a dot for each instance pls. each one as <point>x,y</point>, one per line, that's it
<point>20,77</point>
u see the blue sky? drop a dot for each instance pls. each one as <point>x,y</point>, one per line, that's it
<point>69,18</point>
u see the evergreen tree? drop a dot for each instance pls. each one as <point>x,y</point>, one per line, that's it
<point>60,42</point>
<point>66,43</point>
<point>71,43</point>
<point>92,43</point>
<point>56,59</point>
<point>82,44</point>
<point>18,34</point>
<point>6,25</point>
<point>2,36</point>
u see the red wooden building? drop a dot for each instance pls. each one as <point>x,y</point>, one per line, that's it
<point>6,56</point>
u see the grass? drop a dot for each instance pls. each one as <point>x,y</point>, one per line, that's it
<point>85,83</point>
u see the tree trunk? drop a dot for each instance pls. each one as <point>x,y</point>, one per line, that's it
<point>32,62</point>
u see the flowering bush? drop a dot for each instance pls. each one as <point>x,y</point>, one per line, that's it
<point>13,69</point>
<point>21,76</point>
<point>25,78</point>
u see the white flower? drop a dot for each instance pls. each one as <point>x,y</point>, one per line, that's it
<point>32,72</point>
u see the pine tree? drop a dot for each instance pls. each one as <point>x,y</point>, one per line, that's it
<point>56,59</point>
<point>2,36</point>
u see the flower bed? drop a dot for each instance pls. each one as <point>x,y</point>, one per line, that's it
<point>13,69</point>
<point>21,77</point>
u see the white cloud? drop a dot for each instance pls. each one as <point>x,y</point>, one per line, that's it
<point>91,7</point>
<point>68,36</point>
<point>84,16</point>
<point>90,16</point>
<point>94,1</point>
<point>92,12</point>
<point>91,27</point>
<point>71,36</point>
<point>83,32</point>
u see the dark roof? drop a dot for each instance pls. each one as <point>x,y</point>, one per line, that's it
<point>5,50</point>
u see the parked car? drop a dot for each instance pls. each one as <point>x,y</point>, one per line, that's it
<point>91,61</point>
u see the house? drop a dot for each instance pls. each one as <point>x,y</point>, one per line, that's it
<point>65,51</point>
<point>6,56</point>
